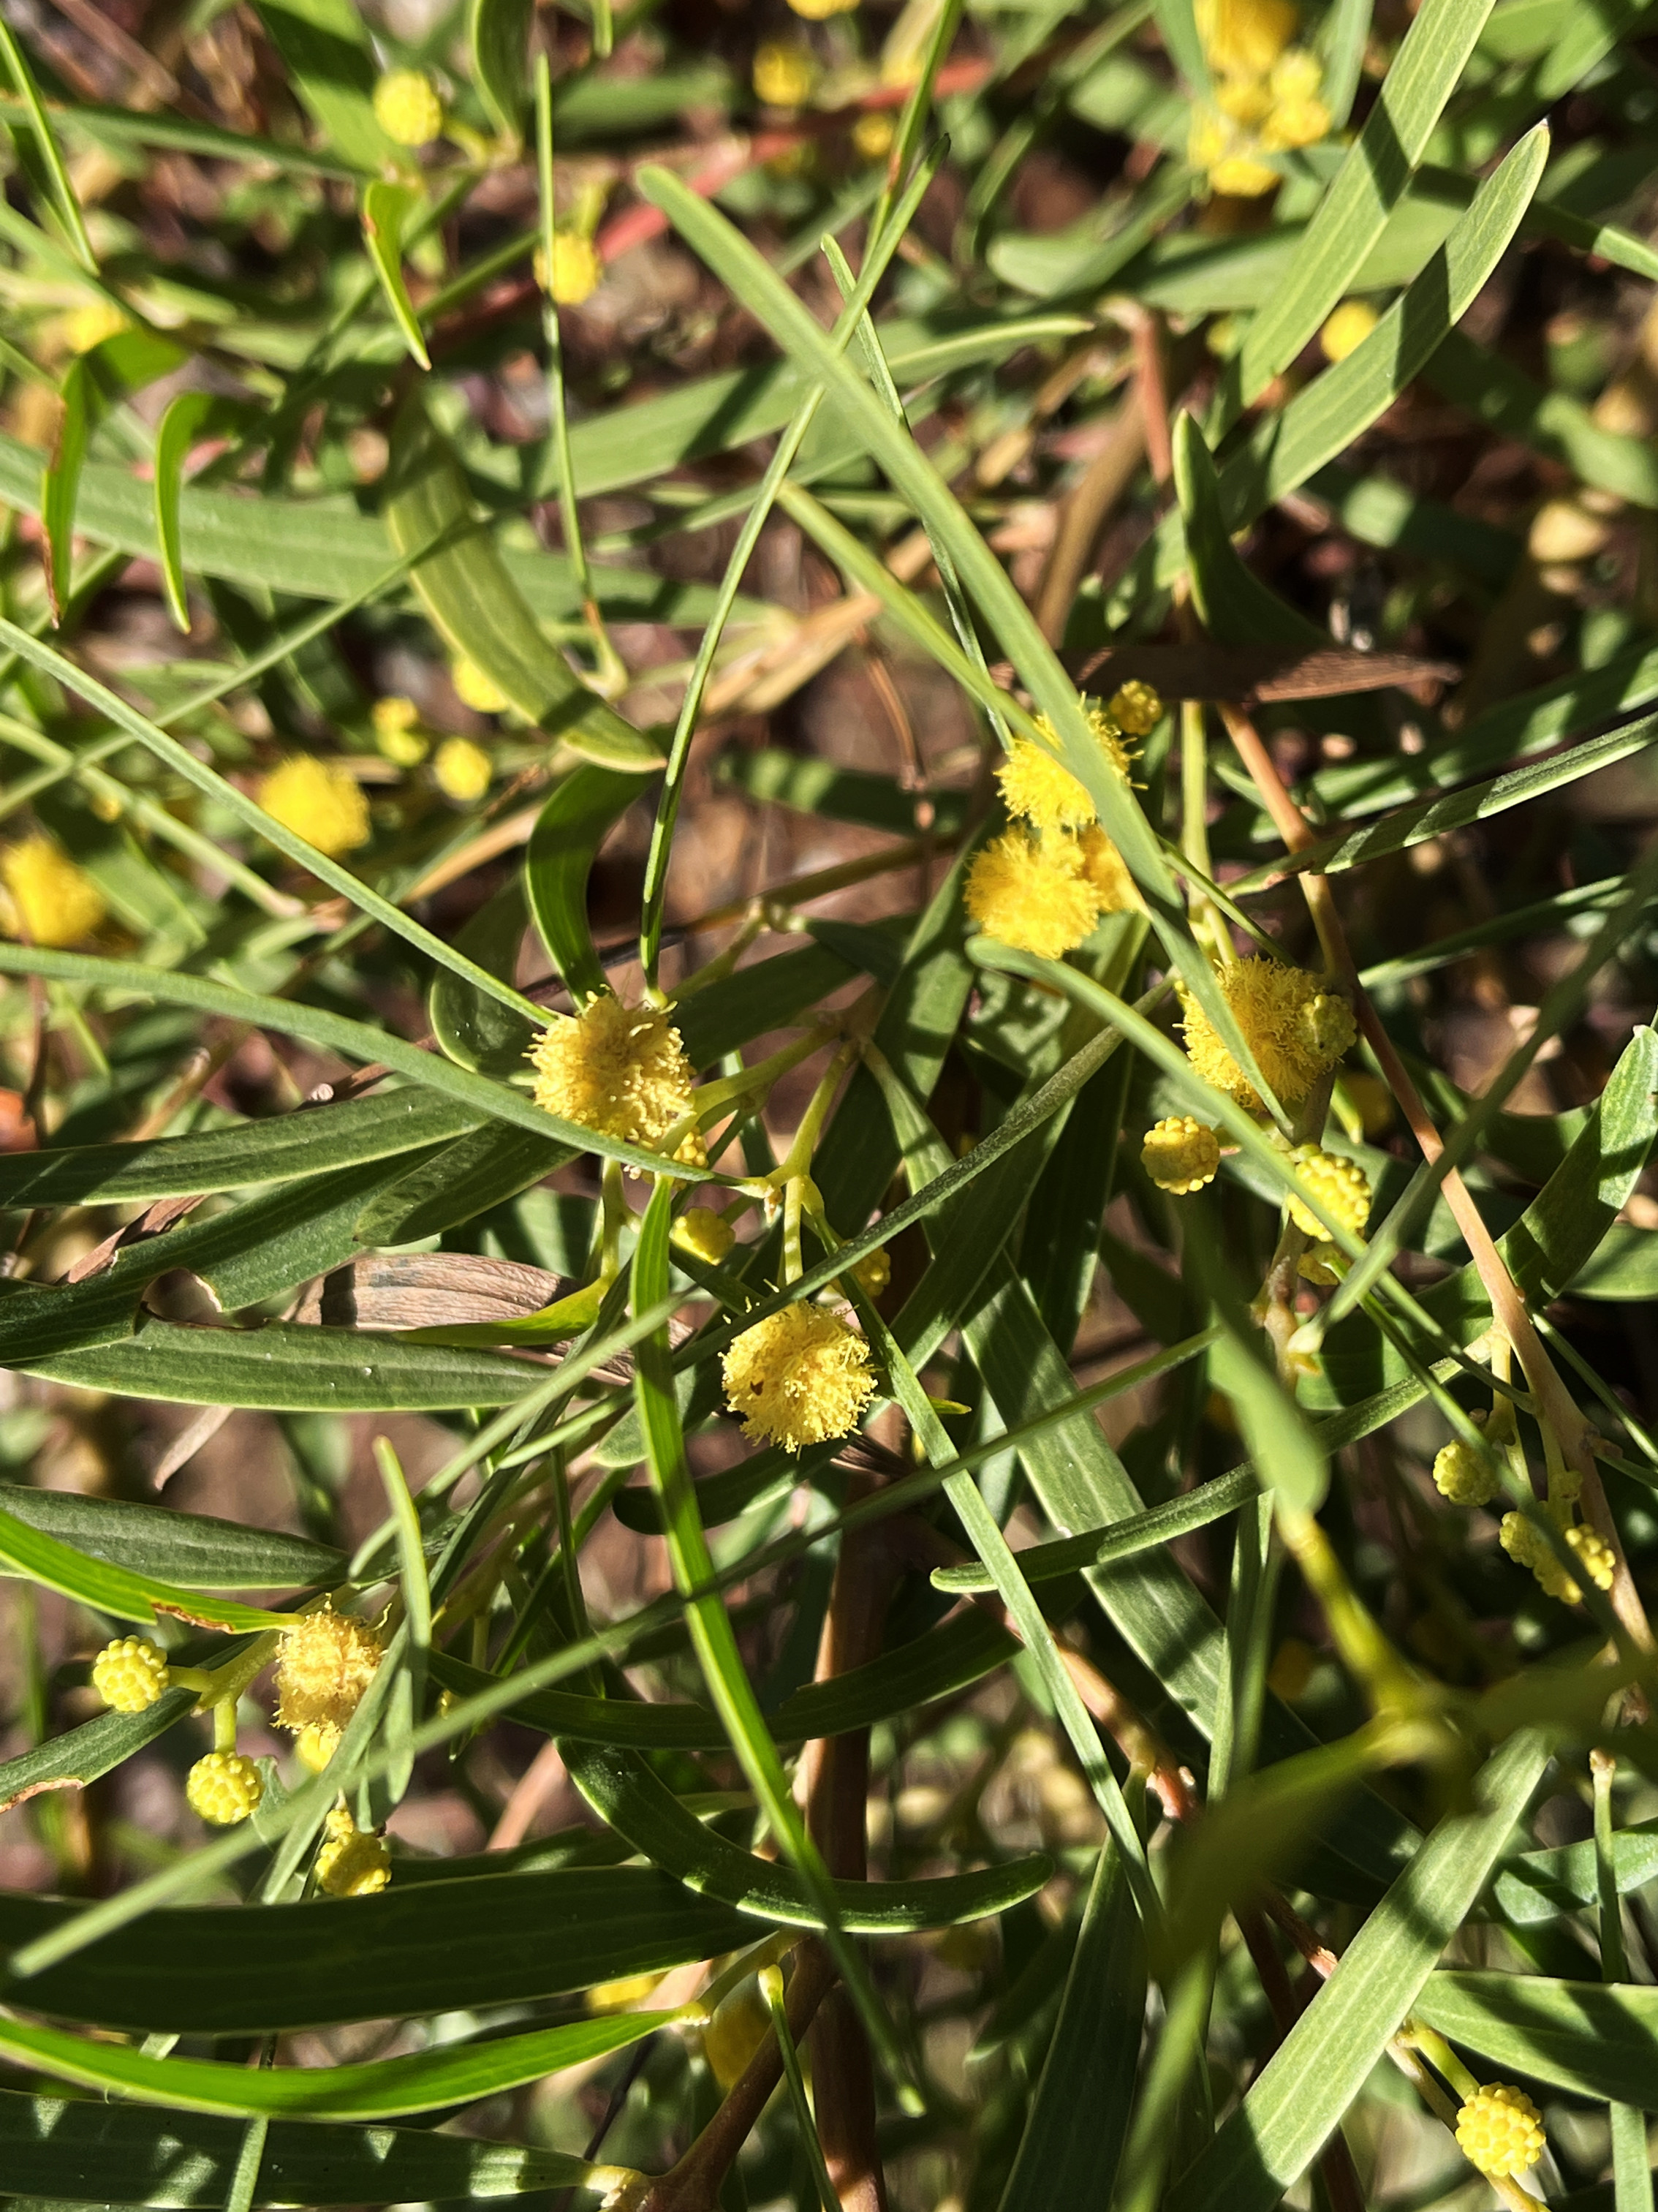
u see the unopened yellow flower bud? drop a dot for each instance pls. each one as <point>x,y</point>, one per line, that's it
<point>798,1378</point>
<point>1297,75</point>
<point>740,2026</point>
<point>620,1070</point>
<point>1135,707</point>
<point>705,1234</point>
<point>47,898</point>
<point>1500,2131</point>
<point>872,134</point>
<point>462,770</point>
<point>1462,1476</point>
<point>327,1661</point>
<point>1180,1154</point>
<point>1526,1547</point>
<point>223,1788</point>
<point>1294,123</point>
<point>130,1674</point>
<point>316,1744</point>
<point>318,801</point>
<point>475,690</point>
<point>1033,894</point>
<point>578,271</point>
<point>1341,1186</point>
<point>353,1861</point>
<point>1594,1555</point>
<point>397,732</point>
<point>1296,1029</point>
<point>407,107</point>
<point>1347,328</point>
<point>783,75</point>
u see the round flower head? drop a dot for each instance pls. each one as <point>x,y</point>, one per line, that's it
<point>1105,868</point>
<point>1526,1547</point>
<point>1298,74</point>
<point>223,1788</point>
<point>474,689</point>
<point>1341,1186</point>
<point>47,898</point>
<point>1347,328</point>
<point>1461,1475</point>
<point>1036,784</point>
<point>705,1234</point>
<point>783,75</point>
<point>1294,122</point>
<point>318,801</point>
<point>407,107</point>
<point>577,269</point>
<point>1032,894</point>
<point>86,327</point>
<point>620,1070</point>
<point>397,732</point>
<point>1180,1154</point>
<point>327,1661</point>
<point>1240,177</point>
<point>1296,1029</point>
<point>798,1378</point>
<point>1135,707</point>
<point>1244,38</point>
<point>353,1861</point>
<point>463,771</point>
<point>872,134</point>
<point>1500,2131</point>
<point>130,1674</point>
<point>316,1744</point>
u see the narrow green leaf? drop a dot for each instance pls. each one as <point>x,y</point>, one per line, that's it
<point>1585,2037</point>
<point>476,1031</point>
<point>66,206</point>
<point>386,210</point>
<point>323,44</point>
<point>498,32</point>
<point>109,1587</point>
<point>185,419</point>
<point>564,845</point>
<point>190,1550</point>
<point>97,1747</point>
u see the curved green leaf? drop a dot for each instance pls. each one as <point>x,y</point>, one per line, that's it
<point>109,1587</point>
<point>1594,2038</point>
<point>323,44</point>
<point>564,845</point>
<point>188,1549</point>
<point>476,1031</point>
<point>498,31</point>
<point>386,210</point>
<point>184,421</point>
<point>95,1748</point>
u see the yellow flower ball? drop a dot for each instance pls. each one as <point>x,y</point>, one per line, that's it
<point>353,1861</point>
<point>1526,1546</point>
<point>1462,1476</point>
<point>1298,74</point>
<point>1245,99</point>
<point>398,733</point>
<point>1346,329</point>
<point>620,1070</point>
<point>85,327</point>
<point>47,898</point>
<point>1033,894</point>
<point>578,271</point>
<point>1240,177</point>
<point>1341,1187</point>
<point>463,771</point>
<point>1500,2131</point>
<point>326,1661</point>
<point>705,1234</point>
<point>1244,38</point>
<point>1136,708</point>
<point>130,1674</point>
<point>223,1788</point>
<point>1294,122</point>
<point>1180,1154</point>
<point>798,1378</point>
<point>475,690</point>
<point>783,75</point>
<point>407,107</point>
<point>872,134</point>
<point>1036,784</point>
<point>319,801</point>
<point>1296,1029</point>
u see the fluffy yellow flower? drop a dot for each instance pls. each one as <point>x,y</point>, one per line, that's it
<point>1500,2131</point>
<point>464,771</point>
<point>1036,785</point>
<point>1347,328</point>
<point>1105,869</point>
<point>353,1861</point>
<point>705,1234</point>
<point>318,801</point>
<point>1180,1154</point>
<point>620,1070</point>
<point>1032,894</point>
<point>130,1674</point>
<point>474,689</point>
<point>783,75</point>
<point>577,269</point>
<point>223,1788</point>
<point>1341,1187</point>
<point>397,732</point>
<point>798,1378</point>
<point>1297,75</point>
<point>1244,38</point>
<point>327,1661</point>
<point>407,107</point>
<point>1296,1029</point>
<point>1462,1476</point>
<point>47,898</point>
<point>85,327</point>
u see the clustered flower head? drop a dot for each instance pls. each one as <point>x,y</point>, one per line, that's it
<point>47,898</point>
<point>1341,1186</point>
<point>397,732</point>
<point>327,1661</point>
<point>1265,97</point>
<point>407,107</point>
<point>577,269</point>
<point>222,1788</point>
<point>798,1378</point>
<point>475,690</point>
<point>783,75</point>
<point>705,1234</point>
<point>1461,1475</point>
<point>1297,1029</point>
<point>1033,893</point>
<point>130,1674</point>
<point>619,1070</point>
<point>353,1861</point>
<point>1526,1546</point>
<point>1036,784</point>
<point>1180,1154</point>
<point>1500,2131</point>
<point>462,770</point>
<point>319,801</point>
